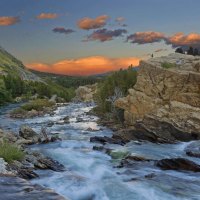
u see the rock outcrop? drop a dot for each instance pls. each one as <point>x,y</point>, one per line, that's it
<point>165,101</point>
<point>86,93</point>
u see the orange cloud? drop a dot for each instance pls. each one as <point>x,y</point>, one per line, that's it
<point>179,39</point>
<point>47,16</point>
<point>146,37</point>
<point>85,66</point>
<point>89,23</point>
<point>7,21</point>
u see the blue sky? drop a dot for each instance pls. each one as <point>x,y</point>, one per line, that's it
<point>33,41</point>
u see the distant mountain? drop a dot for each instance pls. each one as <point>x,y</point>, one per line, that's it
<point>10,65</point>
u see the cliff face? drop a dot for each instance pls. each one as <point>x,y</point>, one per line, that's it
<point>166,98</point>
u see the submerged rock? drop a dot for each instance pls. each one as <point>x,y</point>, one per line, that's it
<point>130,160</point>
<point>105,139</point>
<point>193,149</point>
<point>14,188</point>
<point>178,164</point>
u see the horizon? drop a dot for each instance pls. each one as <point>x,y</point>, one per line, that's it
<point>58,37</point>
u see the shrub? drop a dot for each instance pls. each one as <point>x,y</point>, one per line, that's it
<point>38,104</point>
<point>10,152</point>
<point>167,65</point>
<point>18,111</point>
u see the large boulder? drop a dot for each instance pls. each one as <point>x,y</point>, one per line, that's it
<point>166,100</point>
<point>178,164</point>
<point>86,93</point>
<point>28,133</point>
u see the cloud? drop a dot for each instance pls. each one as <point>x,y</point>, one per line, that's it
<point>85,66</point>
<point>89,23</point>
<point>47,16</point>
<point>120,19</point>
<point>146,37</point>
<point>63,30</point>
<point>8,21</point>
<point>103,35</point>
<point>176,40</point>
<point>181,40</point>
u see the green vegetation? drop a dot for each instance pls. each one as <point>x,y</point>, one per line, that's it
<point>16,81</point>
<point>13,87</point>
<point>38,104</point>
<point>167,65</point>
<point>114,86</point>
<point>68,81</point>
<point>10,152</point>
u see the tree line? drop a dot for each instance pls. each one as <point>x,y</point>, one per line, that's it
<point>191,51</point>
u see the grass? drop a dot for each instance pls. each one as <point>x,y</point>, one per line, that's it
<point>167,65</point>
<point>38,104</point>
<point>10,152</point>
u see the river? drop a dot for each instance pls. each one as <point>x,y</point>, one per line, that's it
<point>92,175</point>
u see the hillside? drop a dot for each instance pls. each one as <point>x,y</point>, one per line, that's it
<point>17,81</point>
<point>10,65</point>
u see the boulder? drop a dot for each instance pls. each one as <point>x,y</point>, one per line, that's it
<point>178,164</point>
<point>86,93</point>
<point>27,132</point>
<point>105,139</point>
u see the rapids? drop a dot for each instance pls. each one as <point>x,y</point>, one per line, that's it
<point>92,175</point>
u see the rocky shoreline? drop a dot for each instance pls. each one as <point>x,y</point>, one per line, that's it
<point>16,173</point>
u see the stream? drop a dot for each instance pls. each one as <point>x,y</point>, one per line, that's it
<point>93,175</point>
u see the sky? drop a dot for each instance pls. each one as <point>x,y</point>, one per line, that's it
<point>88,37</point>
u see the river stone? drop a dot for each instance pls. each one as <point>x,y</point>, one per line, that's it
<point>3,166</point>
<point>118,154</point>
<point>178,164</point>
<point>14,188</point>
<point>27,133</point>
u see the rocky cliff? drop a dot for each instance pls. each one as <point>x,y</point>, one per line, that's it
<point>165,101</point>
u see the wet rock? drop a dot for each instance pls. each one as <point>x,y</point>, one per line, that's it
<point>150,176</point>
<point>193,149</point>
<point>102,149</point>
<point>91,129</point>
<point>48,163</point>
<point>3,166</point>
<point>20,170</point>
<point>27,133</point>
<point>139,133</point>
<point>178,164</point>
<point>105,139</point>
<point>193,154</point>
<point>26,173</point>
<point>130,160</point>
<point>50,124</point>
<point>66,119</point>
<point>79,119</point>
<point>117,154</point>
<point>14,188</point>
